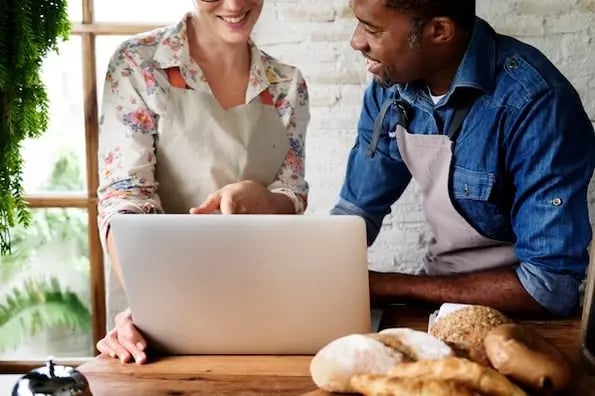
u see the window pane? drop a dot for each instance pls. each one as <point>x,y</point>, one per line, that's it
<point>75,10</point>
<point>62,146</point>
<point>141,11</point>
<point>44,288</point>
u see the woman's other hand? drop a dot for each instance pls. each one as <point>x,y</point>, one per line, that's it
<point>245,197</point>
<point>124,341</point>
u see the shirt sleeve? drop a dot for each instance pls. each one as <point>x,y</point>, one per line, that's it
<point>373,183</point>
<point>126,139</point>
<point>550,157</point>
<point>290,179</point>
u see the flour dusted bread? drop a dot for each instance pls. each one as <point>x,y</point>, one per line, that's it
<point>471,374</point>
<point>376,353</point>
<point>465,329</point>
<point>416,345</point>
<point>334,365</point>
<point>382,385</point>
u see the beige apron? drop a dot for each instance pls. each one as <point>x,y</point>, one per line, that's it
<point>455,246</point>
<point>202,147</point>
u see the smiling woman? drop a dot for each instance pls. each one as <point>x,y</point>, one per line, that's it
<point>199,110</point>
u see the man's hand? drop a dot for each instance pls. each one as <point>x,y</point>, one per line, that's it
<point>124,341</point>
<point>245,197</point>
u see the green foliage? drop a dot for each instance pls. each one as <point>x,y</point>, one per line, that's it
<point>39,304</point>
<point>29,29</point>
<point>36,304</point>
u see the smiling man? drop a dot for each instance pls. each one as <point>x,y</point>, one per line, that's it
<point>499,144</point>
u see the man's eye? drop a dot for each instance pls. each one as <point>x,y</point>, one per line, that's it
<point>371,31</point>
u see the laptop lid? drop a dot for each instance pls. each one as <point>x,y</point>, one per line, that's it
<point>244,284</point>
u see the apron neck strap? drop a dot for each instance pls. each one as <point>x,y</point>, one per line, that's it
<point>175,78</point>
<point>460,114</point>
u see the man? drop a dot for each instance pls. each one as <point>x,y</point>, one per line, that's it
<point>499,143</point>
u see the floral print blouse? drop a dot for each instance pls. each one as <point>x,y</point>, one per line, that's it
<point>135,92</point>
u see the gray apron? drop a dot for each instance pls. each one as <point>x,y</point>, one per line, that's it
<point>455,246</point>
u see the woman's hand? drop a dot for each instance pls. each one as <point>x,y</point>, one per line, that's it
<point>124,341</point>
<point>245,197</point>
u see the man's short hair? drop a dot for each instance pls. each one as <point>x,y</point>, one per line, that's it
<point>462,12</point>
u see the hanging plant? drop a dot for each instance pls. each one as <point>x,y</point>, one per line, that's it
<point>29,29</point>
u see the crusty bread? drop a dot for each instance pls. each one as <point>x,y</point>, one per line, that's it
<point>465,329</point>
<point>376,353</point>
<point>526,357</point>
<point>333,366</point>
<point>382,385</point>
<point>474,375</point>
<point>416,345</point>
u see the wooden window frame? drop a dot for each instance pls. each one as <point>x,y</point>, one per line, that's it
<point>88,30</point>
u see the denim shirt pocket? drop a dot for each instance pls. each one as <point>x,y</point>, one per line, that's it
<point>473,192</point>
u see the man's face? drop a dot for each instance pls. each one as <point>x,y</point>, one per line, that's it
<point>383,36</point>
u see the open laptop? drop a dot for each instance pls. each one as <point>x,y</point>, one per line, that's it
<point>244,284</point>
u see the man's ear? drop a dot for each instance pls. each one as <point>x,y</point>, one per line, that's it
<point>440,30</point>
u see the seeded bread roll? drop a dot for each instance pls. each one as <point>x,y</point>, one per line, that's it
<point>465,329</point>
<point>376,353</point>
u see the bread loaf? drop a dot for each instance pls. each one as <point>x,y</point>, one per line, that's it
<point>526,357</point>
<point>465,329</point>
<point>377,353</point>
<point>382,385</point>
<point>473,375</point>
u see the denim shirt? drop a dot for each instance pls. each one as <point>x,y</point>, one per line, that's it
<point>521,163</point>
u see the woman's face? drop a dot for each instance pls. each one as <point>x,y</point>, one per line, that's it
<point>230,20</point>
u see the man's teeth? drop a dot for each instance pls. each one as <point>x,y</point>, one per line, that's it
<point>234,19</point>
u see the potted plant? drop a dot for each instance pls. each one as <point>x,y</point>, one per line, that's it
<point>29,29</point>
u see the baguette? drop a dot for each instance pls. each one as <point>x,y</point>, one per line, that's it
<point>382,385</point>
<point>473,375</point>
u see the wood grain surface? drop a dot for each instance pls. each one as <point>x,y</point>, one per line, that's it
<point>278,375</point>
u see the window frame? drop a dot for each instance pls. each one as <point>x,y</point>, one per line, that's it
<point>88,30</point>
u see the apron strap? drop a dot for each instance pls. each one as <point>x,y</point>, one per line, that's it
<point>175,78</point>
<point>457,120</point>
<point>377,129</point>
<point>266,98</point>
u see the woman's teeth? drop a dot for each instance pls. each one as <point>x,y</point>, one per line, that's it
<point>237,19</point>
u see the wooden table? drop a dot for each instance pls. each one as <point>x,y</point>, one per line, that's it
<point>276,375</point>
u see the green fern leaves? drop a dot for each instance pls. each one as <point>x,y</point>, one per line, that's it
<point>40,305</point>
<point>29,29</point>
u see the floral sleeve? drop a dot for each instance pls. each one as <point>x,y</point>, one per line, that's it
<point>126,139</point>
<point>290,179</point>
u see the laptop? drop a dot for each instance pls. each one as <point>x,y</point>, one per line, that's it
<point>244,284</point>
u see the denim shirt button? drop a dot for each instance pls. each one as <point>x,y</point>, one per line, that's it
<point>556,202</point>
<point>512,64</point>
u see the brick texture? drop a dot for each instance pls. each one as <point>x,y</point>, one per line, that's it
<point>314,36</point>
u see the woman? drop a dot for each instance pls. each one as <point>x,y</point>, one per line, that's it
<point>197,119</point>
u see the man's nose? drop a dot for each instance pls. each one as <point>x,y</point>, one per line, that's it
<point>358,41</point>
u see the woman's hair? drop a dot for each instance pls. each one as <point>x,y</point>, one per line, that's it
<point>462,12</point>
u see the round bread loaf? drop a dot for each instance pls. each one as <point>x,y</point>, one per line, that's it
<point>465,329</point>
<point>525,356</point>
<point>334,365</point>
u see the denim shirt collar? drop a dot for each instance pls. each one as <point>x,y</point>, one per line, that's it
<point>476,70</point>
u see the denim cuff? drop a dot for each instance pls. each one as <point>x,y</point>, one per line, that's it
<point>558,293</point>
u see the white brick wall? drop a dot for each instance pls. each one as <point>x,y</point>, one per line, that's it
<point>314,35</point>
